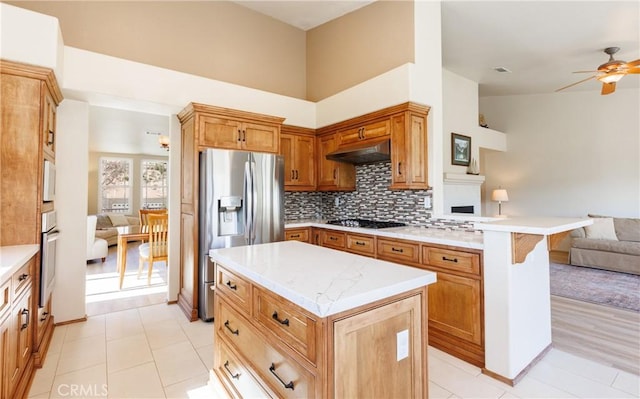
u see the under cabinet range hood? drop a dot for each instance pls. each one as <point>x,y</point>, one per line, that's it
<point>369,152</point>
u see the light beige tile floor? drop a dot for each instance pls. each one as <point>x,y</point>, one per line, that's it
<point>154,352</point>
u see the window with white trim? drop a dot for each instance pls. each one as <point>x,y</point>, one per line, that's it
<point>115,185</point>
<point>154,184</point>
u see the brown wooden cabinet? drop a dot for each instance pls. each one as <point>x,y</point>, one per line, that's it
<point>297,145</point>
<point>409,149</point>
<point>17,331</point>
<point>371,131</point>
<point>301,234</point>
<point>206,126</point>
<point>361,244</point>
<point>275,348</point>
<point>456,300</point>
<point>30,96</point>
<point>232,134</point>
<point>333,176</point>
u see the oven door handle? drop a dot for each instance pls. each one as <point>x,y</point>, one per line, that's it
<point>53,235</point>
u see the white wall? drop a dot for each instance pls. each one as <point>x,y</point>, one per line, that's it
<point>570,153</point>
<point>72,157</point>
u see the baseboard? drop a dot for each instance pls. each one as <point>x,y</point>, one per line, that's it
<point>513,381</point>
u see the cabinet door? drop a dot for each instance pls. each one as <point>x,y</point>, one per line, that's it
<point>374,130</point>
<point>260,138</point>
<point>333,176</point>
<point>409,151</point>
<point>388,371</point>
<point>220,133</point>
<point>455,306</point>
<point>304,156</point>
<point>48,123</point>
<point>287,143</point>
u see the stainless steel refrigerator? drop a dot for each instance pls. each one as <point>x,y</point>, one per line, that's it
<point>241,203</point>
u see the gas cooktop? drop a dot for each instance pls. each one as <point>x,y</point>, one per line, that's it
<point>368,224</point>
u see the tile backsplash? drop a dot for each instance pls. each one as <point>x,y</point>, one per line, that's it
<point>371,200</point>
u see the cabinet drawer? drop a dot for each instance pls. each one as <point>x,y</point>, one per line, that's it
<point>451,260</point>
<point>363,245</point>
<point>297,235</point>
<point>287,322</point>
<point>236,287</point>
<point>235,375</point>
<point>333,239</point>
<point>22,277</point>
<point>375,130</point>
<point>281,373</point>
<point>401,251</point>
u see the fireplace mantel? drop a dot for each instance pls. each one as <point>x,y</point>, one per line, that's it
<point>457,178</point>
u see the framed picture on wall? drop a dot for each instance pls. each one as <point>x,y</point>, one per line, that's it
<point>460,149</point>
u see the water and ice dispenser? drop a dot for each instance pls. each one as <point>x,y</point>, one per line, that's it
<point>230,216</point>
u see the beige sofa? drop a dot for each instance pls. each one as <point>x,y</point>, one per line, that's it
<point>106,226</point>
<point>609,244</point>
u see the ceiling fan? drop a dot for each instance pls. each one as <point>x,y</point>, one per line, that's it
<point>610,72</point>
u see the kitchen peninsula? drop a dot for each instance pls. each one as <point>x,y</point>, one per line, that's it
<point>298,320</point>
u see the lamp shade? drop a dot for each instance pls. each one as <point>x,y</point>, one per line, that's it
<point>500,195</point>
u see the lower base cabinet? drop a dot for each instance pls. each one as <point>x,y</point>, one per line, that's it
<point>377,350</point>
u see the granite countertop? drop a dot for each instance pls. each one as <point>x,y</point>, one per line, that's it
<point>457,238</point>
<point>13,257</point>
<point>321,280</point>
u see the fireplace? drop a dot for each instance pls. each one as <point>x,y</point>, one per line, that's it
<point>462,209</point>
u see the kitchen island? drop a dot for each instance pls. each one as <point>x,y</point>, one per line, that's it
<point>298,320</point>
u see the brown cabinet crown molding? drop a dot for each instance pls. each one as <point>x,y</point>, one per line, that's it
<point>35,72</point>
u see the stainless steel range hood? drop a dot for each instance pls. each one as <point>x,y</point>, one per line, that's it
<point>365,153</point>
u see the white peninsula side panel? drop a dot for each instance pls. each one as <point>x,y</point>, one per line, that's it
<point>517,292</point>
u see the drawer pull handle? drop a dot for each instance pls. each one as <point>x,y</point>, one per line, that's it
<point>44,316</point>
<point>360,243</point>
<point>393,249</point>
<point>232,286</point>
<point>455,260</point>
<point>333,238</point>
<point>23,277</point>
<point>283,322</point>
<point>25,312</point>
<point>273,371</point>
<point>234,332</point>
<point>295,235</point>
<point>226,366</point>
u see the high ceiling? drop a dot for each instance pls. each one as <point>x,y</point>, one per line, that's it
<point>540,42</point>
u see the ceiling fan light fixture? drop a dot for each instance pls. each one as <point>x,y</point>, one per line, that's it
<point>610,77</point>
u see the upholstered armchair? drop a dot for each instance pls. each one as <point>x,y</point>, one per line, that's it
<point>97,248</point>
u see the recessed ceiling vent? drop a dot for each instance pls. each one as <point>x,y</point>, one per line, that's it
<point>501,69</point>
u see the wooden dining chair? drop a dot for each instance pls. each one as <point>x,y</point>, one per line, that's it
<point>143,215</point>
<point>156,248</point>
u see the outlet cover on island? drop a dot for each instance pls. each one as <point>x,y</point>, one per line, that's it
<point>402,345</point>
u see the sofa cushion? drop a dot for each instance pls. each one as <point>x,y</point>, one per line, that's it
<point>624,247</point>
<point>601,229</point>
<point>627,229</point>
<point>103,222</point>
<point>119,220</point>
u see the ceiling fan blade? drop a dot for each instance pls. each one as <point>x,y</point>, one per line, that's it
<point>608,88</point>
<point>635,63</point>
<point>578,82</point>
<point>633,70</point>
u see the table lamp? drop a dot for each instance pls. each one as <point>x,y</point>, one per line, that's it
<point>499,195</point>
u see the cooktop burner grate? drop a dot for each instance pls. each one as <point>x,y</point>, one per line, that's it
<point>368,224</point>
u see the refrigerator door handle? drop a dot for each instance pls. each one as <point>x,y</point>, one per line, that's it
<point>248,200</point>
<point>254,200</point>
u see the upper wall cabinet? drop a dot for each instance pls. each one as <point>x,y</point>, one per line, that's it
<point>406,127</point>
<point>297,145</point>
<point>370,131</point>
<point>233,130</point>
